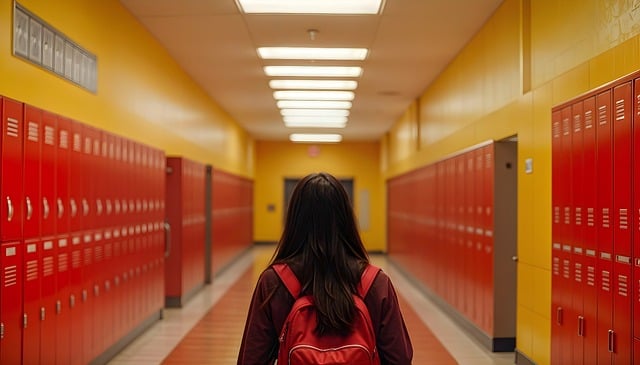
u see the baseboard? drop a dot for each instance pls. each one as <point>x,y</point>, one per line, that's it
<point>522,359</point>
<point>493,344</point>
<point>125,340</point>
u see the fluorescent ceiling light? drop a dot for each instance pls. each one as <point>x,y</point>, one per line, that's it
<point>310,138</point>
<point>315,112</point>
<point>315,53</point>
<point>311,6</point>
<point>314,84</point>
<point>313,71</point>
<point>313,119</point>
<point>313,95</point>
<point>314,125</point>
<point>314,104</point>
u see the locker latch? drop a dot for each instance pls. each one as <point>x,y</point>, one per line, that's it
<point>24,320</point>
<point>42,313</point>
<point>1,331</point>
<point>611,340</point>
<point>58,307</point>
<point>72,300</point>
<point>84,295</point>
<point>559,315</point>
<point>581,326</point>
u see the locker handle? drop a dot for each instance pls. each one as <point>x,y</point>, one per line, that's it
<point>1,331</point>
<point>60,208</point>
<point>29,208</point>
<point>99,206</point>
<point>24,320</point>
<point>611,340</point>
<point>85,207</point>
<point>58,307</point>
<point>581,326</point>
<point>72,300</point>
<point>42,313</point>
<point>9,209</point>
<point>74,207</point>
<point>167,239</point>
<point>45,207</point>
<point>559,315</point>
<point>84,295</point>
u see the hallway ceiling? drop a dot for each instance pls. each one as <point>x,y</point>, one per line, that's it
<point>409,44</point>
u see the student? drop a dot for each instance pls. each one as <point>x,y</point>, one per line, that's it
<point>321,244</point>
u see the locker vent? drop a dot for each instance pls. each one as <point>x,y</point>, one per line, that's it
<point>10,276</point>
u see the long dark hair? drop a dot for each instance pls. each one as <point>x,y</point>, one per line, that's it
<point>322,244</point>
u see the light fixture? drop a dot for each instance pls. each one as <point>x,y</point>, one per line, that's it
<point>313,104</point>
<point>311,7</point>
<point>314,119</point>
<point>311,137</point>
<point>314,125</point>
<point>312,53</point>
<point>314,84</point>
<point>313,95</point>
<point>313,71</point>
<point>315,112</point>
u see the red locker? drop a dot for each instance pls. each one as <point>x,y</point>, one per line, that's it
<point>556,235</point>
<point>576,311</point>
<point>33,265</point>
<point>604,221</point>
<point>11,318</point>
<point>587,324</point>
<point>636,225</point>
<point>32,284</point>
<point>622,149</point>
<point>32,133</point>
<point>11,204</point>
<point>486,259</point>
<point>64,299</point>
<point>47,315</point>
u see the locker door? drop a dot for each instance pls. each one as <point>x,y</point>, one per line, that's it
<point>32,286</point>
<point>11,316</point>
<point>32,176</point>
<point>622,132</point>
<point>51,306</point>
<point>47,315</point>
<point>78,293</point>
<point>587,324</point>
<point>577,235</point>
<point>64,301</point>
<point>567,211</point>
<point>478,179</point>
<point>11,170</point>
<point>487,252</point>
<point>636,205</point>
<point>556,237</point>
<point>31,332</point>
<point>604,218</point>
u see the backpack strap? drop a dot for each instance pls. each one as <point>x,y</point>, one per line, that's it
<point>288,278</point>
<point>368,276</point>
<point>292,284</point>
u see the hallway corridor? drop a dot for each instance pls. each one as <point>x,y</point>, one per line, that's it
<point>208,329</point>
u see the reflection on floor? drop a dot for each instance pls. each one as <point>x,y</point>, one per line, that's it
<point>207,330</point>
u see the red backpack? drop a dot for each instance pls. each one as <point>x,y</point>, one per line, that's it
<point>299,345</point>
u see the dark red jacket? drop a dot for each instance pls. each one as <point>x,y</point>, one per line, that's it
<point>264,322</point>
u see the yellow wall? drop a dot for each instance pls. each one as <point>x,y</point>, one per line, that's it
<point>142,93</point>
<point>276,161</point>
<point>529,56</point>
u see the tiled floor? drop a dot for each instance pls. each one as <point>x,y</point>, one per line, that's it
<point>208,329</point>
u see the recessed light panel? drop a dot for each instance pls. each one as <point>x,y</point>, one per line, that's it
<point>312,53</point>
<point>314,84</point>
<point>315,112</point>
<point>311,7</point>
<point>313,71</point>
<point>313,95</point>
<point>313,119</point>
<point>315,124</point>
<point>313,104</point>
<point>310,138</point>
